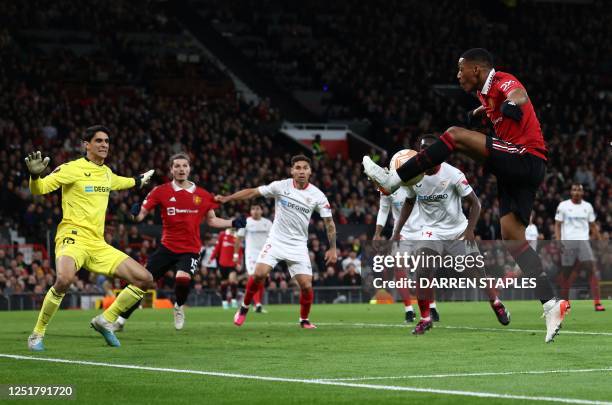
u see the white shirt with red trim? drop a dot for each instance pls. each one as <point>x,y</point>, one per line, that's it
<point>255,234</point>
<point>438,211</point>
<point>294,207</point>
<point>575,219</point>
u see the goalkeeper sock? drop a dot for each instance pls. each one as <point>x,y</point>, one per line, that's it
<point>128,297</point>
<point>428,158</point>
<point>49,307</point>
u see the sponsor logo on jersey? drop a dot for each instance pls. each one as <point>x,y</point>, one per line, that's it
<point>288,204</point>
<point>174,211</point>
<point>97,189</point>
<point>433,197</point>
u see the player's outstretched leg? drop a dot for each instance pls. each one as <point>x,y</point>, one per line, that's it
<point>140,280</point>
<point>66,269</point>
<point>255,282</point>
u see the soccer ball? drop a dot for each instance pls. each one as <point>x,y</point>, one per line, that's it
<point>399,159</point>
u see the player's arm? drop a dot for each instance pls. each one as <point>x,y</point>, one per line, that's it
<point>473,215</point>
<point>383,213</point>
<point>122,183</point>
<point>331,256</point>
<point>214,221</point>
<point>559,217</point>
<point>595,235</point>
<point>246,194</point>
<point>151,201</point>
<point>558,230</point>
<point>62,175</point>
<point>403,217</point>
<point>238,245</point>
<point>518,96</point>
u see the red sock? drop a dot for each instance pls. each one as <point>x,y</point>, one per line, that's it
<point>594,281</point>
<point>251,288</point>
<point>424,308</point>
<point>257,296</point>
<point>306,298</point>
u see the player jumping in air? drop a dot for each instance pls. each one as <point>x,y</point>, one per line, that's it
<point>183,207</point>
<point>86,184</point>
<point>517,157</point>
<point>255,234</point>
<point>573,221</point>
<point>296,200</point>
<point>433,206</point>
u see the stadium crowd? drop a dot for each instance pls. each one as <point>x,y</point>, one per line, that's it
<point>233,144</point>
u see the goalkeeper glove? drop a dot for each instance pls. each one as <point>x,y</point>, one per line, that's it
<point>36,164</point>
<point>134,211</point>
<point>511,110</point>
<point>144,178</point>
<point>239,222</point>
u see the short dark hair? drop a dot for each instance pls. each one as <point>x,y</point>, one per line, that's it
<point>257,204</point>
<point>478,55</point>
<point>577,184</point>
<point>424,137</point>
<point>92,131</point>
<point>176,156</point>
<point>300,158</point>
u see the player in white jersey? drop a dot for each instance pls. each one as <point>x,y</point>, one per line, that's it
<point>254,234</point>
<point>295,201</point>
<point>434,208</point>
<point>573,221</point>
<point>393,203</point>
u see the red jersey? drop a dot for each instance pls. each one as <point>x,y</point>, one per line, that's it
<point>224,250</point>
<point>527,132</point>
<point>182,211</point>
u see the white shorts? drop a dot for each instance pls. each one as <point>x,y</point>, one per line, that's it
<point>576,250</point>
<point>446,243</point>
<point>296,257</point>
<point>250,260</point>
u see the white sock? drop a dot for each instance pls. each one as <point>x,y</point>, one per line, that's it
<point>432,305</point>
<point>120,320</point>
<point>409,308</point>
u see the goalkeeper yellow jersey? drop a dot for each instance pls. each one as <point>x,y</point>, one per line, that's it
<point>85,190</point>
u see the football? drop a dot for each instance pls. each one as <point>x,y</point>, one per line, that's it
<point>399,159</point>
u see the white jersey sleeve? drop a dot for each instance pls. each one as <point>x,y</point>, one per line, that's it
<point>591,216</point>
<point>241,232</point>
<point>383,210</point>
<point>322,206</point>
<point>271,190</point>
<point>462,186</point>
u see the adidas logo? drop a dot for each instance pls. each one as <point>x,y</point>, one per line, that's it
<point>172,199</point>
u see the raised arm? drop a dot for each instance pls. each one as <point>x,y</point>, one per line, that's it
<point>518,96</point>
<point>246,194</point>
<point>38,185</point>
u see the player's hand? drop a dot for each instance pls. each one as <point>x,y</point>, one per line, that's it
<point>468,236</point>
<point>511,110</point>
<point>239,222</point>
<point>36,164</point>
<point>331,257</point>
<point>134,211</point>
<point>221,199</point>
<point>145,178</point>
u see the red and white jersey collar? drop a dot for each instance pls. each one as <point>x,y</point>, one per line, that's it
<point>176,187</point>
<point>487,84</point>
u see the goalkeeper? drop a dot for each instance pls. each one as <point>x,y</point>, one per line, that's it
<point>86,184</point>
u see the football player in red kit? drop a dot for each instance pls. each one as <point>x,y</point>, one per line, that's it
<point>516,156</point>
<point>183,207</point>
<point>228,259</point>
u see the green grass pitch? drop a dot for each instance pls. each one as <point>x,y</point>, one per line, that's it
<point>358,354</point>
